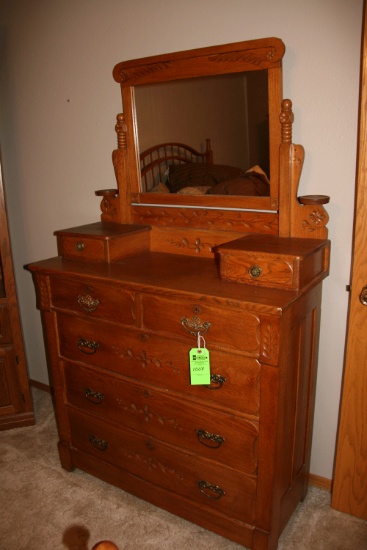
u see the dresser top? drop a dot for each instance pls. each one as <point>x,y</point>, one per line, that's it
<point>164,274</point>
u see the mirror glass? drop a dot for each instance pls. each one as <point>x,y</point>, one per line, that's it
<point>231,110</point>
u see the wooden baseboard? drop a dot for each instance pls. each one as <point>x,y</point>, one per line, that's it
<point>40,385</point>
<point>314,480</point>
<point>322,482</point>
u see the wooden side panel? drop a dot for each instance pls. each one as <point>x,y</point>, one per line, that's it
<point>16,387</point>
<point>298,397</point>
<point>10,400</point>
<point>288,394</point>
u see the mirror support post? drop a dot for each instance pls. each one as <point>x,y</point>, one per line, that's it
<point>298,216</point>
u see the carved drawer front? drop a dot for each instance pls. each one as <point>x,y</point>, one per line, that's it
<point>218,436</point>
<point>212,485</point>
<point>93,300</point>
<point>235,379</point>
<point>225,328</point>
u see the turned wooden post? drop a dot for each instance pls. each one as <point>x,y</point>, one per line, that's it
<point>302,216</point>
<point>110,204</point>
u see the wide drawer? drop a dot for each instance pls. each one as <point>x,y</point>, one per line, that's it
<point>235,379</point>
<point>174,503</point>
<point>227,328</point>
<point>207,432</point>
<point>94,300</point>
<point>201,480</point>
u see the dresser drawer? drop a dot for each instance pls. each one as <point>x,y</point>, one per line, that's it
<point>93,300</point>
<point>274,262</point>
<point>103,241</point>
<point>228,328</point>
<point>150,358</point>
<point>202,481</point>
<point>218,436</point>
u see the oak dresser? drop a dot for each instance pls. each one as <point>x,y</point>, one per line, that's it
<point>132,302</point>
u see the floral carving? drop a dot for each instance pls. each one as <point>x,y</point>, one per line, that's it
<point>252,57</point>
<point>196,245</point>
<point>270,342</point>
<point>148,416</point>
<point>317,218</point>
<point>136,73</point>
<point>147,361</point>
<point>154,465</point>
<point>208,219</point>
<point>43,293</point>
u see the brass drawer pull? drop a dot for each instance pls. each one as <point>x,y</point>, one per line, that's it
<point>210,491</point>
<point>217,379</point>
<point>363,296</point>
<point>89,347</point>
<point>194,325</point>
<point>88,303</point>
<point>213,441</point>
<point>98,443</point>
<point>93,396</point>
<point>255,271</point>
<point>79,246</point>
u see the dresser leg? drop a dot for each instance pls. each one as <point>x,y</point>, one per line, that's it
<point>65,456</point>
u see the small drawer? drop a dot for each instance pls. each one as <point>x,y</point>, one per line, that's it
<point>274,262</point>
<point>103,241</point>
<point>202,481</point>
<point>93,300</point>
<point>216,435</point>
<point>145,357</point>
<point>230,328</point>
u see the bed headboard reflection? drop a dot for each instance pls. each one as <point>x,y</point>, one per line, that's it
<point>156,161</point>
<point>179,168</point>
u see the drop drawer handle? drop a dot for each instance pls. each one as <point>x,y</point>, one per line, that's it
<point>89,347</point>
<point>217,379</point>
<point>210,491</point>
<point>213,441</point>
<point>95,397</point>
<point>88,303</point>
<point>194,325</point>
<point>98,443</point>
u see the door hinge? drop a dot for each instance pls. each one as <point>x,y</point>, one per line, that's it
<point>17,359</point>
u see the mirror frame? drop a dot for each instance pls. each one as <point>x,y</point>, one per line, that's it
<point>215,60</point>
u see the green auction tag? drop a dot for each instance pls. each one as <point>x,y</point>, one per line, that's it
<point>199,366</point>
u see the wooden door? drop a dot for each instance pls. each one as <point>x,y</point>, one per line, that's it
<point>350,479</point>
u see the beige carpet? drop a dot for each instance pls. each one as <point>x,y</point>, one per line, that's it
<point>42,507</point>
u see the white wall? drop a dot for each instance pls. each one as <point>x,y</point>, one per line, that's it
<point>58,109</point>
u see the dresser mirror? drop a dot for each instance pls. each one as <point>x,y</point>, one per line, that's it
<point>202,126</point>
